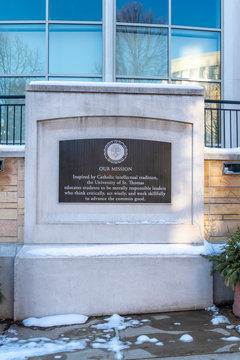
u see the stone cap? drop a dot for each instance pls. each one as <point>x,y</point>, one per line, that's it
<point>12,151</point>
<point>111,87</point>
<point>222,153</point>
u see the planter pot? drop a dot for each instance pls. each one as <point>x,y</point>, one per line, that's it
<point>236,304</point>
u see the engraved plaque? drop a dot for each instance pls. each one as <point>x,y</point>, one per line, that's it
<point>114,171</point>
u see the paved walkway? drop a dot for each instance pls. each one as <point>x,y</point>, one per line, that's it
<point>181,335</point>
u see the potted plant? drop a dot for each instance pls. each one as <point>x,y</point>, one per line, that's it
<point>227,263</point>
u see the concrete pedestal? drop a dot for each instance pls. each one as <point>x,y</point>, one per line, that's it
<point>48,284</point>
<point>69,276</point>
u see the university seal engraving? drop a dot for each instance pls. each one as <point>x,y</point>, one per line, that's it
<point>115,151</point>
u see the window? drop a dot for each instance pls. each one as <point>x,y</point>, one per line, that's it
<point>143,11</point>
<point>141,51</point>
<point>194,53</point>
<point>75,49</point>
<point>160,41</point>
<point>75,10</point>
<point>197,13</point>
<point>12,10</point>
<point>22,49</point>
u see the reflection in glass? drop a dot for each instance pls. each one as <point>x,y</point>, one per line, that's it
<point>22,49</point>
<point>200,13</point>
<point>75,10</point>
<point>143,11</point>
<point>127,80</point>
<point>195,54</point>
<point>15,85</point>
<point>22,10</point>
<point>58,78</point>
<point>212,91</point>
<point>75,49</point>
<point>141,51</point>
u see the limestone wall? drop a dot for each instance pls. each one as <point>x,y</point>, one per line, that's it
<point>12,200</point>
<point>222,201</point>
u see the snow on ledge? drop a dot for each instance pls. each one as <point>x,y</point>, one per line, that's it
<point>222,153</point>
<point>12,150</point>
<point>114,250</point>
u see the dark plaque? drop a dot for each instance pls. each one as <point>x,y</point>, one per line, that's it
<point>114,171</point>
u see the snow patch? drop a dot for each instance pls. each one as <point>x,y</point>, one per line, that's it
<point>211,249</point>
<point>186,338</point>
<point>11,331</point>
<point>177,323</point>
<point>230,326</point>
<point>212,308</point>
<point>220,320</point>
<point>144,338</point>
<point>116,322</point>
<point>231,338</point>
<point>115,345</point>
<point>12,350</point>
<point>56,320</point>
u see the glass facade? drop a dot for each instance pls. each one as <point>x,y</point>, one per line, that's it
<point>187,47</point>
<point>162,41</point>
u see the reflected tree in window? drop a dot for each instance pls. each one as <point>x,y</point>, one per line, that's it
<point>141,51</point>
<point>133,12</point>
<point>17,58</point>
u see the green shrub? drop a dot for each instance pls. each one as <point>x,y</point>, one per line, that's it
<point>227,263</point>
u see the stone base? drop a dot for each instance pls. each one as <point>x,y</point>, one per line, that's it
<point>7,255</point>
<point>54,281</point>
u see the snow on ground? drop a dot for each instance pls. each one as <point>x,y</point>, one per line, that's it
<point>103,335</point>
<point>217,319</point>
<point>231,338</point>
<point>186,338</point>
<point>15,349</point>
<point>144,338</point>
<point>116,322</point>
<point>220,320</point>
<point>56,320</point>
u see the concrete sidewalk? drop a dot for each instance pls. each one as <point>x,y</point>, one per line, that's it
<point>162,338</point>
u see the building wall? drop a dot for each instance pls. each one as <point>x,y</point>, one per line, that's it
<point>231,50</point>
<point>12,200</point>
<point>222,201</point>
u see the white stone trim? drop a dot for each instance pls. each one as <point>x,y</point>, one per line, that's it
<point>12,151</point>
<point>221,154</point>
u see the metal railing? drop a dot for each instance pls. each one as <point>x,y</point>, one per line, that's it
<point>222,123</point>
<point>12,119</point>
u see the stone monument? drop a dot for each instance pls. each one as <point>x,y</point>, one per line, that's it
<point>113,200</point>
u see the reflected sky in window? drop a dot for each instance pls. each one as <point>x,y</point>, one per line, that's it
<point>75,10</point>
<point>199,13</point>
<point>189,42</point>
<point>22,10</point>
<point>195,54</point>
<point>143,11</point>
<point>75,49</point>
